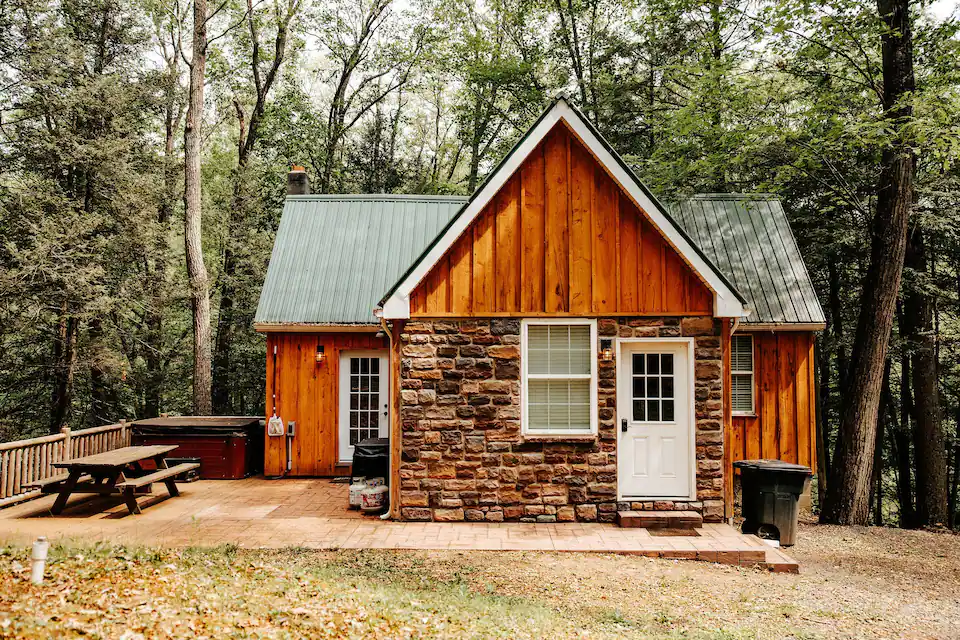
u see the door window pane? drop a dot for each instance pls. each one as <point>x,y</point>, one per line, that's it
<point>653,410</point>
<point>666,363</point>
<point>653,387</point>
<point>667,406</point>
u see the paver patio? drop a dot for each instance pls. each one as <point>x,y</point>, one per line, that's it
<point>255,512</point>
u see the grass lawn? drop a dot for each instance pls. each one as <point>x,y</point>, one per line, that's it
<point>855,583</point>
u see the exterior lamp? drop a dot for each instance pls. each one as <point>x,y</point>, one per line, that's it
<point>320,355</point>
<point>606,350</point>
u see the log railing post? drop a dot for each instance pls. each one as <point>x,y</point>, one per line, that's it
<point>67,443</point>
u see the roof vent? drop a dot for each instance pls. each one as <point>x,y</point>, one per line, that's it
<point>297,182</point>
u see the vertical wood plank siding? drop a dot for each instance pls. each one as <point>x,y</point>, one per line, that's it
<point>307,393</point>
<point>560,238</point>
<point>784,425</point>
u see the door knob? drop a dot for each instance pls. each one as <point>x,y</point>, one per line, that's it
<point>623,425</point>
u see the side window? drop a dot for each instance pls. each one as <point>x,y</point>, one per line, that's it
<point>741,374</point>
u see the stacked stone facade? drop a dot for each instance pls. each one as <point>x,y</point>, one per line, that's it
<point>464,456</point>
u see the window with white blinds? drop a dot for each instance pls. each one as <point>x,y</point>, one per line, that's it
<point>741,373</point>
<point>559,370</point>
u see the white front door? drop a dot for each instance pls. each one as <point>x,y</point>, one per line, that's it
<point>364,399</point>
<point>655,455</point>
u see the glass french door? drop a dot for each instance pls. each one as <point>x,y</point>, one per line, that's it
<point>364,399</point>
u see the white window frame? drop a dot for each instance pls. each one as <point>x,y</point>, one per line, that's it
<point>524,361</point>
<point>742,372</point>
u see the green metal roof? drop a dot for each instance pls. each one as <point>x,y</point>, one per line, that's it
<point>335,255</point>
<point>749,238</point>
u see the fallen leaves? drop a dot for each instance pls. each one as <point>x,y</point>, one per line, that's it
<point>885,587</point>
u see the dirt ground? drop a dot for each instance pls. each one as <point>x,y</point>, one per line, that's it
<point>855,583</point>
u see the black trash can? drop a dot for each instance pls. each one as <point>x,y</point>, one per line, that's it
<point>371,459</point>
<point>771,491</point>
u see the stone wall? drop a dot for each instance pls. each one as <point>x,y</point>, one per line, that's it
<point>463,455</point>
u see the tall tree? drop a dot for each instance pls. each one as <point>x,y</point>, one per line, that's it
<point>193,210</point>
<point>848,491</point>
<point>929,445</point>
<point>157,253</point>
<point>363,76</point>
<point>262,81</point>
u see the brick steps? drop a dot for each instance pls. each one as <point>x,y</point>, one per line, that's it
<point>779,562</point>
<point>659,519</point>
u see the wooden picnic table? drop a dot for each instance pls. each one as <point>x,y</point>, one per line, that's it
<point>116,472</point>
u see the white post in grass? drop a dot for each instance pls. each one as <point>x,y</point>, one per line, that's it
<point>39,557</point>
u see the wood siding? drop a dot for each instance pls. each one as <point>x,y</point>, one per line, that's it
<point>560,238</point>
<point>308,394</point>
<point>784,424</point>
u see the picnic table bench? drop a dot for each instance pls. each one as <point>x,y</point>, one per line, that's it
<point>116,472</point>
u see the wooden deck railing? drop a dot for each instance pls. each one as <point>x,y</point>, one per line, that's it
<point>26,461</point>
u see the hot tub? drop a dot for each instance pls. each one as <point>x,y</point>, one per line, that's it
<point>229,447</point>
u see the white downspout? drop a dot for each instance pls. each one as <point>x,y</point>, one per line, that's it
<point>393,371</point>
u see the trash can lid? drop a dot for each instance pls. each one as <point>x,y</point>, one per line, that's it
<point>773,465</point>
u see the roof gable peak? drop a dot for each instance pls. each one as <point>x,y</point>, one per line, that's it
<point>727,301</point>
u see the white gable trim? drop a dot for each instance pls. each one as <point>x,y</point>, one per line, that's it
<point>726,304</point>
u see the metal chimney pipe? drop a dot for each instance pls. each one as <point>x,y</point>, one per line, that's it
<point>297,182</point>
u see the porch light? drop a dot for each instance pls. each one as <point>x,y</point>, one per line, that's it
<point>606,350</point>
<point>320,355</point>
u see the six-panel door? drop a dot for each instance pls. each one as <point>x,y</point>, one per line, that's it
<point>654,453</point>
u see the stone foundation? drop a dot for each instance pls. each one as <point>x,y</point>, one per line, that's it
<point>463,455</point>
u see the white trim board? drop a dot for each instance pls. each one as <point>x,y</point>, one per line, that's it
<point>726,302</point>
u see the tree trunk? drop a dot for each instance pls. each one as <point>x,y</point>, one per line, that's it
<point>822,363</point>
<point>848,492</point>
<point>65,361</point>
<point>196,269</point>
<point>475,139</point>
<point>157,267</point>
<point>247,140</point>
<point>928,440</point>
<point>901,443</point>
<point>955,491</point>
<point>883,413</point>
<point>836,323</point>
<point>102,398</point>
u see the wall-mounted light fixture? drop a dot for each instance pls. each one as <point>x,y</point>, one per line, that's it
<point>606,350</point>
<point>320,355</point>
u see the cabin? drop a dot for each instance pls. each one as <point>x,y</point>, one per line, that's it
<point>559,346</point>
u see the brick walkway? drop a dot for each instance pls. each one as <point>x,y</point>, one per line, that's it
<point>312,513</point>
